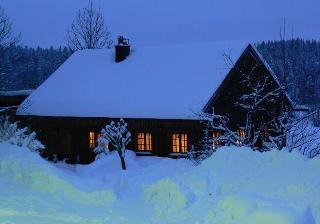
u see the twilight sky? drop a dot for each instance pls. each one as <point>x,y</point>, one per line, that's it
<point>154,22</point>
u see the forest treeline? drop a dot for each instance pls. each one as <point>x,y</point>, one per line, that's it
<point>296,63</point>
<point>27,68</point>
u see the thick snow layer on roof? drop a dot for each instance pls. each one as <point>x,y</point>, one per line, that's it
<point>169,82</point>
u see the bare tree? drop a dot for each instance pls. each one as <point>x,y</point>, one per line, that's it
<point>88,30</point>
<point>301,134</point>
<point>259,92</point>
<point>264,127</point>
<point>284,68</point>
<point>7,40</point>
<point>7,36</point>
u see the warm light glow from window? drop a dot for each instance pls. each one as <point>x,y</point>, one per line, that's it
<point>91,139</point>
<point>241,134</point>
<point>144,141</point>
<point>175,143</point>
<point>148,142</point>
<point>215,136</point>
<point>184,142</point>
<point>179,143</point>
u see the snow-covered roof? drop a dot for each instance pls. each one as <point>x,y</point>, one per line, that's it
<point>164,82</point>
<point>24,92</point>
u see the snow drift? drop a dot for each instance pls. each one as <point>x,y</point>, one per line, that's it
<point>235,185</point>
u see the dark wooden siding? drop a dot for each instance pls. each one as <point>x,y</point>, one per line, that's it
<point>68,137</point>
<point>9,104</point>
<point>231,90</point>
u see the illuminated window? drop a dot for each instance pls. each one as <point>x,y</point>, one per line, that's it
<point>91,139</point>
<point>215,136</point>
<point>148,142</point>
<point>241,134</point>
<point>179,143</point>
<point>144,141</point>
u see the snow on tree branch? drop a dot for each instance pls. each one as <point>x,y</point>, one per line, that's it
<point>11,134</point>
<point>118,135</point>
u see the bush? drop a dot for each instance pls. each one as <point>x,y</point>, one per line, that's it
<point>11,134</point>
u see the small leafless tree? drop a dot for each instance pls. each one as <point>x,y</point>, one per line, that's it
<point>88,30</point>
<point>7,36</point>
<point>119,136</point>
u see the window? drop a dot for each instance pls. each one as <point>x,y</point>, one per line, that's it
<point>265,133</point>
<point>92,140</point>
<point>215,136</point>
<point>144,141</point>
<point>179,143</point>
<point>242,134</point>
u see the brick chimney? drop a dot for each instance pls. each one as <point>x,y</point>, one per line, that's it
<point>122,49</point>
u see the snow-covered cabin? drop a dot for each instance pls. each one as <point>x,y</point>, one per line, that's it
<point>159,91</point>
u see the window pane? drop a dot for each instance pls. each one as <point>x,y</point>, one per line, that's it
<point>148,142</point>
<point>141,142</point>
<point>215,136</point>
<point>91,139</point>
<point>184,143</point>
<point>175,143</point>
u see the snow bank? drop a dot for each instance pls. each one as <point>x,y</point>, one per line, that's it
<point>235,185</point>
<point>32,189</point>
<point>167,200</point>
<point>252,187</point>
<point>34,172</point>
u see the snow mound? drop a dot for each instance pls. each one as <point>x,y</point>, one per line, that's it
<point>252,187</point>
<point>29,170</point>
<point>167,199</point>
<point>234,186</point>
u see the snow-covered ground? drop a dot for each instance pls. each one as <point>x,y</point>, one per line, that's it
<point>235,185</point>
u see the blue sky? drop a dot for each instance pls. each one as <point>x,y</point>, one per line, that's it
<point>156,22</point>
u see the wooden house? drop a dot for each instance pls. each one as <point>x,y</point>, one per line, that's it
<point>158,91</point>
<point>10,101</point>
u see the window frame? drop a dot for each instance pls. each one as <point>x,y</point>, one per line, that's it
<point>93,139</point>
<point>216,143</point>
<point>179,142</point>
<point>144,141</point>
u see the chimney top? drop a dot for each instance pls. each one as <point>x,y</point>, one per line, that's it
<point>123,41</point>
<point>122,49</point>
